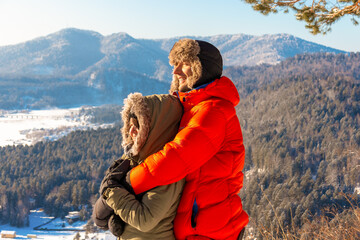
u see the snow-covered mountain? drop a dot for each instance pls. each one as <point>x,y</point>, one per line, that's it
<point>74,67</point>
<point>72,51</point>
<point>63,53</point>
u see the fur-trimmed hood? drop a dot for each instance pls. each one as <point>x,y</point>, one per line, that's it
<point>158,117</point>
<point>206,62</point>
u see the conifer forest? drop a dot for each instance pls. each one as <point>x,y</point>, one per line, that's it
<point>300,121</point>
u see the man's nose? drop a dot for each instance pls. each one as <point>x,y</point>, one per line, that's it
<point>176,69</point>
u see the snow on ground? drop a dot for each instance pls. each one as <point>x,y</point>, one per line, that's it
<point>29,127</point>
<point>38,217</point>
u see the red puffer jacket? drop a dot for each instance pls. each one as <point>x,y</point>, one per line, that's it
<point>208,150</point>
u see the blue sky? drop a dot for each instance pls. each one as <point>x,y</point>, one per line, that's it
<point>22,20</point>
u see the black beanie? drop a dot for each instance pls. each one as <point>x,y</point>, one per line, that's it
<point>211,62</point>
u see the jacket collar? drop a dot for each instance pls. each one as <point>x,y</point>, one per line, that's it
<point>221,88</point>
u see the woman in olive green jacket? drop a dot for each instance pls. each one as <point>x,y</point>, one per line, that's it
<point>149,123</point>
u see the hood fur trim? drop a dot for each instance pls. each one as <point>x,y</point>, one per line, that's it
<point>135,104</point>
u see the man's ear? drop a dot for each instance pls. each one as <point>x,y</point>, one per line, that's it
<point>133,131</point>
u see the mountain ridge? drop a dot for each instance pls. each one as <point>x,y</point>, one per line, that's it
<point>236,49</point>
<point>73,61</point>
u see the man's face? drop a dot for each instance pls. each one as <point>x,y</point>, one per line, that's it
<point>183,71</point>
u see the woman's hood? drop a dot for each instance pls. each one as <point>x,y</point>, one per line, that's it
<point>158,116</point>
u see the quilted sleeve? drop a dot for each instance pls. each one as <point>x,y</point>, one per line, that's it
<point>194,145</point>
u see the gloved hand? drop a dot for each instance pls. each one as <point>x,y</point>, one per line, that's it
<point>116,225</point>
<point>126,183</point>
<point>102,213</point>
<point>114,174</point>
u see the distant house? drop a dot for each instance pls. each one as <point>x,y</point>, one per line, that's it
<point>357,189</point>
<point>31,236</point>
<point>73,216</point>
<point>8,234</point>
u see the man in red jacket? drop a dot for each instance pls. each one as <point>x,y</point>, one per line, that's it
<point>208,150</point>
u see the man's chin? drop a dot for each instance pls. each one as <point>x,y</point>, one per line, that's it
<point>184,88</point>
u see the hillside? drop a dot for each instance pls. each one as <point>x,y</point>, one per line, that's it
<point>58,176</point>
<point>302,139</point>
<point>76,67</point>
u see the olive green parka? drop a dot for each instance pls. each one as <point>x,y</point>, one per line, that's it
<point>149,215</point>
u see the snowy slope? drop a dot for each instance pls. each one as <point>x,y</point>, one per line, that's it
<point>38,217</point>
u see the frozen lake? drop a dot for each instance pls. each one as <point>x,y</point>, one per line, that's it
<point>28,127</point>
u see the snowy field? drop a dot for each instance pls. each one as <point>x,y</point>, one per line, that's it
<point>28,127</point>
<point>38,217</point>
